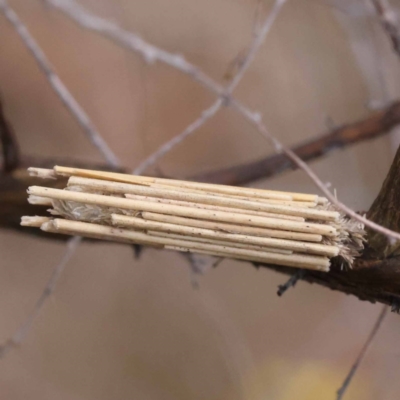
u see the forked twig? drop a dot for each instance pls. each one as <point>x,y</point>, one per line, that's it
<point>341,392</point>
<point>17,338</point>
<point>207,114</point>
<point>58,86</point>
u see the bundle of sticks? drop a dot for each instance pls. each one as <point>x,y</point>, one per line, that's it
<point>263,226</point>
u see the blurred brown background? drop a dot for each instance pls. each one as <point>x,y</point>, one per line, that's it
<point>120,328</point>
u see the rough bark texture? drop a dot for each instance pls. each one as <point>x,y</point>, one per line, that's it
<point>376,274</point>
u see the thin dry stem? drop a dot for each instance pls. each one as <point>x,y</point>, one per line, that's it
<point>341,392</point>
<point>58,86</point>
<point>17,338</point>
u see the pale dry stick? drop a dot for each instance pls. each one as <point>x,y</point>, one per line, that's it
<point>211,207</point>
<point>232,228</point>
<point>189,69</point>
<point>35,221</point>
<point>18,337</point>
<point>58,86</point>
<point>303,247</point>
<point>136,205</point>
<point>106,232</point>
<point>243,195</point>
<point>342,390</point>
<point>220,242</point>
<point>122,188</point>
<point>148,181</point>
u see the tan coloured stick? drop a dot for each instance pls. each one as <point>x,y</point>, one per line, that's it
<point>110,201</point>
<point>242,196</point>
<point>303,247</point>
<point>135,179</point>
<point>219,242</point>
<point>121,188</point>
<point>109,233</point>
<point>232,228</point>
<point>212,207</point>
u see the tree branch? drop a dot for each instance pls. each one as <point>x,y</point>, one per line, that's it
<point>9,144</point>
<point>378,124</point>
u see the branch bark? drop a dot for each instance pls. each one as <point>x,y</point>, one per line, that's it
<point>378,124</point>
<point>376,274</point>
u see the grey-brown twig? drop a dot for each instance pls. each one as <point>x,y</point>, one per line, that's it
<point>17,338</point>
<point>389,22</point>
<point>216,106</point>
<point>58,86</point>
<point>341,392</point>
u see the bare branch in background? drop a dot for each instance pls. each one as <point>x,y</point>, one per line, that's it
<point>389,22</point>
<point>9,144</point>
<point>24,329</point>
<point>377,124</point>
<point>168,146</point>
<point>131,41</point>
<point>58,86</point>
<point>341,392</point>
<point>216,106</point>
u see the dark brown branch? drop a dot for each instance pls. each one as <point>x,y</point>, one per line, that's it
<point>376,275</point>
<point>378,124</point>
<point>9,145</point>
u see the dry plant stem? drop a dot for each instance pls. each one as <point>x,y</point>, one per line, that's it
<point>109,233</point>
<point>24,329</point>
<point>341,392</point>
<point>243,195</point>
<point>304,247</point>
<point>231,228</point>
<point>58,86</point>
<point>81,16</point>
<point>148,181</point>
<point>219,242</point>
<point>210,207</point>
<point>122,188</point>
<point>128,204</point>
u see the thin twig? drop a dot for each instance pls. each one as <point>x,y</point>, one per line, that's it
<point>168,146</point>
<point>24,329</point>
<point>58,86</point>
<point>132,41</point>
<point>291,282</point>
<point>389,22</point>
<point>207,114</point>
<point>341,392</point>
